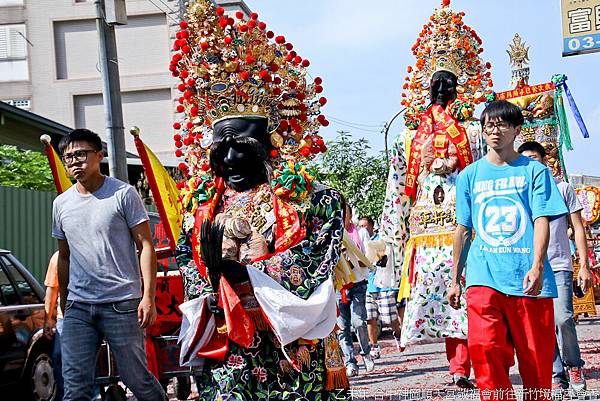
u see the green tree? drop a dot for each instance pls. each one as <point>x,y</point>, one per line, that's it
<point>360,177</point>
<point>25,169</point>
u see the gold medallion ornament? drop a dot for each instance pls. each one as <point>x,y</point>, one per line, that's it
<point>233,67</point>
<point>446,43</point>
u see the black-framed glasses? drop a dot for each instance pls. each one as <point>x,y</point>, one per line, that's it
<point>501,125</point>
<point>77,156</point>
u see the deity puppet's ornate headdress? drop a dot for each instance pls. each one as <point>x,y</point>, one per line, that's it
<point>234,67</point>
<point>447,44</point>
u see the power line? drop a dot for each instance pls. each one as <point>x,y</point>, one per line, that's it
<point>166,13</point>
<point>332,118</point>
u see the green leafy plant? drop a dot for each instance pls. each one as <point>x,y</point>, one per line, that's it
<point>360,177</point>
<point>25,169</point>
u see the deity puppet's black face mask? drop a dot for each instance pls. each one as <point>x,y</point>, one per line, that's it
<point>240,152</point>
<point>443,88</point>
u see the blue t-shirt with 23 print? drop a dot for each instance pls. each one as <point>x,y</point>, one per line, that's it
<point>501,204</point>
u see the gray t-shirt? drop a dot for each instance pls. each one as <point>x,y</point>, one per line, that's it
<point>559,251</point>
<point>104,265</point>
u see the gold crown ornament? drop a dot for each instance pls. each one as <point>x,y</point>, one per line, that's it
<point>446,43</point>
<point>232,67</point>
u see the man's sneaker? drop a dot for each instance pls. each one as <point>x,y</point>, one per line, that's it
<point>462,382</point>
<point>375,351</point>
<point>576,379</point>
<point>369,364</point>
<point>351,370</point>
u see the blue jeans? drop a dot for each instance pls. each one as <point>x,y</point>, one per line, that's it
<point>84,327</point>
<point>353,313</point>
<point>566,350</point>
<point>57,361</point>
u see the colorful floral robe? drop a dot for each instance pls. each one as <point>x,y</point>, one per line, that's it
<point>422,237</point>
<point>263,371</point>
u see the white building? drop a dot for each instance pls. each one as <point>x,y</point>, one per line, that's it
<point>49,64</point>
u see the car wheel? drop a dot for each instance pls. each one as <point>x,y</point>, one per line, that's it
<point>182,387</point>
<point>39,378</point>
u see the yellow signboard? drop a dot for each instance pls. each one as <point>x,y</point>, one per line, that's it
<point>581,26</point>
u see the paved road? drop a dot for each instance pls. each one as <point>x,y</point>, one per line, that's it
<point>421,372</point>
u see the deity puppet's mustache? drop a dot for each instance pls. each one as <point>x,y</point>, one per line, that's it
<point>218,152</point>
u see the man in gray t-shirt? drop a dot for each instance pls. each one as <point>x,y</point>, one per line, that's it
<point>567,357</point>
<point>99,222</point>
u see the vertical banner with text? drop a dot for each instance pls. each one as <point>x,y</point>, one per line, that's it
<point>580,26</point>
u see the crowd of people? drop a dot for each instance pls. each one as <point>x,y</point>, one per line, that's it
<point>471,249</point>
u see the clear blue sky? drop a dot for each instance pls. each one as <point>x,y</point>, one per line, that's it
<point>361,50</point>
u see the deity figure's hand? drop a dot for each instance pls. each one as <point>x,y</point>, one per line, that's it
<point>439,165</point>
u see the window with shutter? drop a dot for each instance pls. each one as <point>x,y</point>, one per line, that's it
<point>13,44</point>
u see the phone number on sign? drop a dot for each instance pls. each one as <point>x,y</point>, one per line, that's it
<point>581,43</point>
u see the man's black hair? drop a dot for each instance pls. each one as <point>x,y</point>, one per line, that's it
<point>80,134</point>
<point>533,146</point>
<point>368,218</point>
<point>503,110</point>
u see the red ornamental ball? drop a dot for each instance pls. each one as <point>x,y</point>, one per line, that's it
<point>301,97</point>
<point>183,25</point>
<point>230,21</point>
<point>177,137</point>
<point>178,144</point>
<point>270,34</point>
<point>181,99</point>
<point>289,46</point>
<point>223,22</point>
<point>318,81</point>
<point>189,124</point>
<point>184,34</point>
<point>277,91</point>
<point>176,125</point>
<point>239,15</point>
<point>243,28</point>
<point>182,166</point>
<point>305,151</point>
<point>322,101</point>
<point>274,67</point>
<point>297,59</point>
<point>183,73</point>
<point>194,111</point>
<point>318,89</point>
<point>280,40</point>
<point>205,167</point>
<point>228,40</point>
<point>250,60</point>
<point>181,87</point>
<point>254,16</point>
<point>321,118</point>
<point>251,23</point>
<point>305,63</point>
<point>273,153</point>
<point>176,45</point>
<point>180,109</point>
<point>283,125</point>
<point>277,80</point>
<point>265,76</point>
<point>293,84</point>
<point>262,26</point>
<point>204,46</point>
<point>178,153</point>
<point>325,123</point>
<point>186,49</point>
<point>177,57</point>
<point>220,11</point>
<point>244,75</point>
<point>191,82</point>
<point>320,142</point>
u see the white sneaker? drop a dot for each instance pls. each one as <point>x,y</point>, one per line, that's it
<point>369,364</point>
<point>577,380</point>
<point>351,370</point>
<point>375,352</point>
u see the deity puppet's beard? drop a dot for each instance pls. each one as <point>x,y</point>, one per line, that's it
<point>253,170</point>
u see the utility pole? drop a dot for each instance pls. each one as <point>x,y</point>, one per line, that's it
<point>385,131</point>
<point>113,13</point>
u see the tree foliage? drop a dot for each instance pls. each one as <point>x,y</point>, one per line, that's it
<point>360,177</point>
<point>25,169</point>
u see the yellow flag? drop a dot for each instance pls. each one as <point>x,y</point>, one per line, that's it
<point>59,173</point>
<point>164,190</point>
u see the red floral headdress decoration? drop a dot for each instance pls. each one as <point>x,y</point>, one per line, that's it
<point>447,44</point>
<point>234,67</point>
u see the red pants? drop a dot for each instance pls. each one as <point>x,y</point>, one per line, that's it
<point>499,325</point>
<point>457,353</point>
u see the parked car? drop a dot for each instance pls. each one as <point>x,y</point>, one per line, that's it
<point>25,353</point>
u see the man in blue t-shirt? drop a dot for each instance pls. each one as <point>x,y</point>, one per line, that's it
<point>507,200</point>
